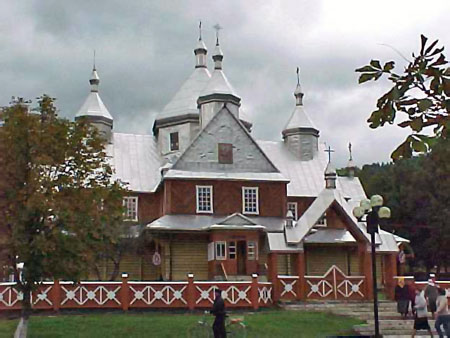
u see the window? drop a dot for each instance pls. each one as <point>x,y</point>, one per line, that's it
<point>250,201</point>
<point>204,199</point>
<point>232,250</point>
<point>221,251</point>
<point>131,208</point>
<point>292,206</point>
<point>174,141</point>
<point>322,222</point>
<point>252,251</point>
<point>225,153</point>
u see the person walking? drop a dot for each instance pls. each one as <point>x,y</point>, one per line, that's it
<point>431,294</point>
<point>442,315</point>
<point>421,320</point>
<point>402,297</point>
<point>218,310</point>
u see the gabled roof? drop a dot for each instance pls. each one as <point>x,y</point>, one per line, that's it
<point>320,205</point>
<point>185,100</point>
<point>237,219</point>
<point>201,156</point>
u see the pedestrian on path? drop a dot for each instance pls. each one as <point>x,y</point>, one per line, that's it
<point>431,294</point>
<point>442,315</point>
<point>218,310</point>
<point>402,297</point>
<point>421,320</point>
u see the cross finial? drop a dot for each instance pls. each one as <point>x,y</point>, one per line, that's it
<point>200,31</point>
<point>350,150</point>
<point>298,76</point>
<point>217,27</point>
<point>329,151</point>
<point>94,61</point>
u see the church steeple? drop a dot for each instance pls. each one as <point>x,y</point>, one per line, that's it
<point>93,108</point>
<point>200,50</point>
<point>218,54</point>
<point>300,134</point>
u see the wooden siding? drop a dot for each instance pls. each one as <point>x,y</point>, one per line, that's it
<point>286,264</point>
<point>189,256</point>
<point>180,197</point>
<point>320,258</point>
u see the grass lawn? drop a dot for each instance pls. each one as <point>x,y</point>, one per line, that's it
<point>7,327</point>
<point>273,323</point>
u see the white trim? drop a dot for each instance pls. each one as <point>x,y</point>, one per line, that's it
<point>286,276</point>
<point>296,209</point>
<point>221,282</point>
<point>211,200</point>
<point>224,258</point>
<point>136,209</point>
<point>257,201</point>
<point>157,283</point>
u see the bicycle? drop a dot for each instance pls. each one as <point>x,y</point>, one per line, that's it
<point>235,327</point>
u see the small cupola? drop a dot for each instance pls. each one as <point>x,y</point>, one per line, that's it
<point>94,110</point>
<point>300,134</point>
<point>218,92</point>
<point>351,167</point>
<point>200,50</point>
<point>330,172</point>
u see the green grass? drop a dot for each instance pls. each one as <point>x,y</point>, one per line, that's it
<point>276,323</point>
<point>7,327</point>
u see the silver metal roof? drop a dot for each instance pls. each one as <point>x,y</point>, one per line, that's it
<point>209,222</point>
<point>185,99</point>
<point>299,119</point>
<point>94,106</point>
<point>320,205</point>
<point>218,84</point>
<point>172,173</point>
<point>277,242</point>
<point>330,236</point>
<point>136,161</point>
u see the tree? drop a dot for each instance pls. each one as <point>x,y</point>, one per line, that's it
<point>57,198</point>
<point>418,192</point>
<point>421,93</point>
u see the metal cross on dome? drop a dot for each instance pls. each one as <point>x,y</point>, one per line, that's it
<point>329,151</point>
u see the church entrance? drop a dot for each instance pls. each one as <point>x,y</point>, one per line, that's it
<point>241,257</point>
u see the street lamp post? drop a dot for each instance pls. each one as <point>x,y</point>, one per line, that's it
<point>374,211</point>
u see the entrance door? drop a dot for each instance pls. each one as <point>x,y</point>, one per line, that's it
<point>241,257</point>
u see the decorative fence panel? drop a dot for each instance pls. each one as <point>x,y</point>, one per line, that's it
<point>235,294</point>
<point>90,295</point>
<point>157,294</point>
<point>334,284</point>
<point>288,287</point>
<point>265,291</point>
<point>132,294</point>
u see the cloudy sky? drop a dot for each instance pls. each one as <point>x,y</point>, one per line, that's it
<point>144,53</point>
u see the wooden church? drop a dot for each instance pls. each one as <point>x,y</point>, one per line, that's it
<point>211,200</point>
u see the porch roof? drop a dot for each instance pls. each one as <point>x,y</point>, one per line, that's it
<point>210,222</point>
<point>330,236</point>
<point>277,242</point>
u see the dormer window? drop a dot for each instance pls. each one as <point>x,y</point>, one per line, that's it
<point>174,141</point>
<point>322,222</point>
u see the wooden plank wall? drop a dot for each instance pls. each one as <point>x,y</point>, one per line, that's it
<point>189,256</point>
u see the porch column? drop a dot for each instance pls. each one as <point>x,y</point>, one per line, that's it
<point>365,268</point>
<point>301,271</point>
<point>272,272</point>
<point>390,269</point>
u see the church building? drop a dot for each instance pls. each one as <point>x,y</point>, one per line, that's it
<point>213,201</point>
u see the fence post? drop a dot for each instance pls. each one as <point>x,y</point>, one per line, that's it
<point>124,290</point>
<point>273,275</point>
<point>301,271</point>
<point>254,292</point>
<point>56,295</point>
<point>190,295</point>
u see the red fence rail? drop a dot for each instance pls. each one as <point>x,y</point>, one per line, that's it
<point>132,294</point>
